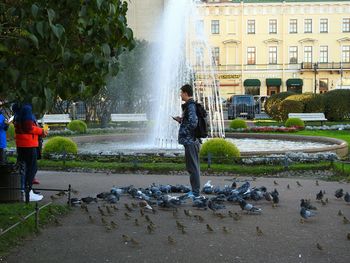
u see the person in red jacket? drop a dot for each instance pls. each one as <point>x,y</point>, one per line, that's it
<point>26,137</point>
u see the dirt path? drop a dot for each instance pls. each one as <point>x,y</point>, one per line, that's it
<point>284,238</point>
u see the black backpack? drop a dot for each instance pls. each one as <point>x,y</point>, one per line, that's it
<point>201,130</point>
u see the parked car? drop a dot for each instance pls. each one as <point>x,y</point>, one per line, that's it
<point>243,106</point>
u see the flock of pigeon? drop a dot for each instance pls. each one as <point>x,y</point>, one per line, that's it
<point>172,197</point>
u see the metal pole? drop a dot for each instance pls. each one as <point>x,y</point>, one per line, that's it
<point>69,195</point>
<point>315,70</point>
<point>36,216</point>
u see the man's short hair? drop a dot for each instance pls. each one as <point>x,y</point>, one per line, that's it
<point>188,89</point>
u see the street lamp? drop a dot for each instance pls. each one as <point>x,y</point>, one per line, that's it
<point>315,71</point>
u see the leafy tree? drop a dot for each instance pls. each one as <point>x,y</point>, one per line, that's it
<point>59,48</point>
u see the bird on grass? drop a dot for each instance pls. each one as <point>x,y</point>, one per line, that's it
<point>306,214</point>
<point>249,207</point>
<point>339,193</point>
<point>209,228</point>
<point>319,195</point>
<point>259,231</point>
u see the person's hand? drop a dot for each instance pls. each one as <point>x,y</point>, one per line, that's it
<point>45,132</point>
<point>178,119</point>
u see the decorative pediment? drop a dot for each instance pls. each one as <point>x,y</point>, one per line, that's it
<point>308,39</point>
<point>231,41</point>
<point>344,39</point>
<point>272,40</point>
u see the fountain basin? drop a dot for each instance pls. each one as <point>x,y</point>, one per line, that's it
<point>250,144</point>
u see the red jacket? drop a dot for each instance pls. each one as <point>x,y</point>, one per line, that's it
<point>27,134</point>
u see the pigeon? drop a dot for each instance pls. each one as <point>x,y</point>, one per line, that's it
<point>306,204</point>
<point>319,196</point>
<point>201,202</point>
<point>248,207</point>
<point>347,197</point>
<point>305,213</point>
<point>208,188</point>
<point>275,198</point>
<point>339,193</point>
<point>214,206</point>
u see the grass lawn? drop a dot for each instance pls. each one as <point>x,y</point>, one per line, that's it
<point>270,122</point>
<point>14,212</point>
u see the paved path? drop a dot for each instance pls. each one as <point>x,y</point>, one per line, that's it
<point>284,238</point>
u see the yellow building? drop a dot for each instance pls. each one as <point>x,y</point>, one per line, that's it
<point>265,47</point>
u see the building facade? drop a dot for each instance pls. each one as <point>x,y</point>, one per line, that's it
<point>267,47</point>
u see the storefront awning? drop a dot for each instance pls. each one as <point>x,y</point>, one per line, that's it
<point>294,82</point>
<point>273,82</point>
<point>252,83</point>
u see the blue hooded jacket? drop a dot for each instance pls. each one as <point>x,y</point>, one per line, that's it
<point>188,124</point>
<point>3,129</point>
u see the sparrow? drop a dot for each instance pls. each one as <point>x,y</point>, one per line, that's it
<point>299,184</point>
<point>171,240</point>
<point>126,238</point>
<point>319,246</point>
<point>209,228</point>
<point>259,231</point>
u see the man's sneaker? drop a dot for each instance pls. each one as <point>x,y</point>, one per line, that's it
<point>33,197</point>
<point>190,194</point>
<point>36,181</point>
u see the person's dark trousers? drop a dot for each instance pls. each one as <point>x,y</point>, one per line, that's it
<point>27,159</point>
<point>192,165</point>
<point>2,155</point>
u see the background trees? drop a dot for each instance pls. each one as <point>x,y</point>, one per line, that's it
<point>60,48</point>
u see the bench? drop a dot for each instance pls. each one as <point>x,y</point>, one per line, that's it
<point>309,116</point>
<point>55,118</point>
<point>128,117</point>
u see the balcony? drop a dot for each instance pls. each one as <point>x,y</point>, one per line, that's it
<point>309,66</point>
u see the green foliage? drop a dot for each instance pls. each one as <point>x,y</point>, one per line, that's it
<point>294,122</point>
<point>272,104</point>
<point>77,126</point>
<point>287,106</point>
<point>311,102</point>
<point>11,132</point>
<point>60,48</point>
<point>219,148</point>
<point>238,124</point>
<point>337,104</point>
<point>60,145</point>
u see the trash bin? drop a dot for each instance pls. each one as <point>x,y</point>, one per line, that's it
<point>9,178</point>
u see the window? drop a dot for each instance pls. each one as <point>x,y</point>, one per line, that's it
<point>324,25</point>
<point>346,25</point>
<point>215,26</point>
<point>345,54</point>
<point>293,26</point>
<point>216,55</point>
<point>324,54</point>
<point>273,26</point>
<point>251,27</point>
<point>323,84</point>
<point>200,27</point>
<point>199,51</point>
<point>251,55</point>
<point>272,55</point>
<point>308,26</point>
<point>293,55</point>
<point>308,54</point>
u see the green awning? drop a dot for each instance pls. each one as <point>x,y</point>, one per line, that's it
<point>294,82</point>
<point>252,83</point>
<point>273,82</point>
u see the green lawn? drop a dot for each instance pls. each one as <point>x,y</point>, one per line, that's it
<point>13,213</point>
<point>270,122</point>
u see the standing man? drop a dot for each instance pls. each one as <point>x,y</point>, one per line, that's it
<point>188,123</point>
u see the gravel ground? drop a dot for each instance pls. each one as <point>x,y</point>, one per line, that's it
<point>284,238</point>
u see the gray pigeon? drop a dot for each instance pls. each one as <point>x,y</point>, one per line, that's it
<point>306,213</point>
<point>248,207</point>
<point>347,197</point>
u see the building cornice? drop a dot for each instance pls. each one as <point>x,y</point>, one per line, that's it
<point>308,39</point>
<point>231,41</point>
<point>272,40</point>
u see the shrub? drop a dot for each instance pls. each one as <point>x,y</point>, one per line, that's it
<point>288,106</point>
<point>238,124</point>
<point>77,126</point>
<point>272,104</point>
<point>311,102</point>
<point>59,145</point>
<point>11,132</point>
<point>294,122</point>
<point>219,148</point>
<point>337,104</point>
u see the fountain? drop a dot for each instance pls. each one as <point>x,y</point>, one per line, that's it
<point>178,37</point>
